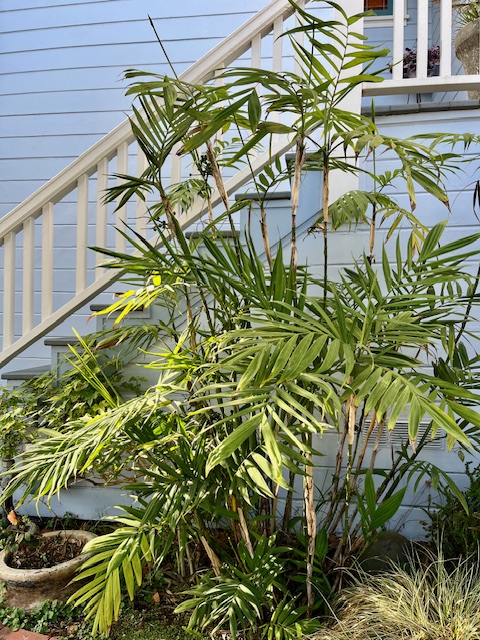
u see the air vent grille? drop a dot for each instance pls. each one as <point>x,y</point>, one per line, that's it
<point>399,436</point>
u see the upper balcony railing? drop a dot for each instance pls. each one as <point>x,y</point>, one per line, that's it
<point>420,25</point>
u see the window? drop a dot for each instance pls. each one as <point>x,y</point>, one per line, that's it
<point>380,7</point>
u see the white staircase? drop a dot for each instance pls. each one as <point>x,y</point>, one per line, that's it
<point>51,231</point>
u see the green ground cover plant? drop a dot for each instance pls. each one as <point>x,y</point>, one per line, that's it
<point>88,381</point>
<point>453,527</point>
<point>146,625</point>
<point>253,367</point>
<point>67,621</point>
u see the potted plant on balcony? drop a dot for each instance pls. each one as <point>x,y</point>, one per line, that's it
<point>410,66</point>
<point>467,39</point>
<point>410,62</point>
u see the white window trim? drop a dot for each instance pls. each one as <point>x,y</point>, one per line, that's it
<point>383,21</point>
<point>378,21</point>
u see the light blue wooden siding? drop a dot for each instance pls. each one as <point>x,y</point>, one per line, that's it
<point>382,36</point>
<point>460,186</point>
<point>61,65</point>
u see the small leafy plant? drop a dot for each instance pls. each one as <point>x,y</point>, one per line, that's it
<point>467,12</point>
<point>410,61</point>
<point>464,12</point>
<point>49,616</point>
<point>453,524</point>
<point>373,516</point>
<point>20,530</point>
<point>254,595</point>
<point>15,421</point>
<point>92,382</point>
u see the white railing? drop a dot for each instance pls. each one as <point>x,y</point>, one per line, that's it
<point>434,24</point>
<point>36,237</point>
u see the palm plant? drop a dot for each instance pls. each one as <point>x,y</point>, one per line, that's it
<point>258,368</point>
<point>465,11</point>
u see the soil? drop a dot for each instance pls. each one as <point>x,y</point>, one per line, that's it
<point>44,553</point>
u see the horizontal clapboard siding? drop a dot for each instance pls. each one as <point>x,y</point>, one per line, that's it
<point>61,66</point>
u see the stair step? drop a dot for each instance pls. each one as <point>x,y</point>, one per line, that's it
<point>225,233</point>
<point>142,312</point>
<point>275,195</point>
<point>60,341</point>
<point>106,321</point>
<point>59,348</point>
<point>25,374</point>
<point>99,306</point>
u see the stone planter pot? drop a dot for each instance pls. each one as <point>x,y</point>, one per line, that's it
<point>467,50</point>
<point>27,588</point>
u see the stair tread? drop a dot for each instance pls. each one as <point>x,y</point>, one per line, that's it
<point>25,374</point>
<point>60,341</point>
<point>275,195</point>
<point>225,233</point>
<point>100,306</point>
